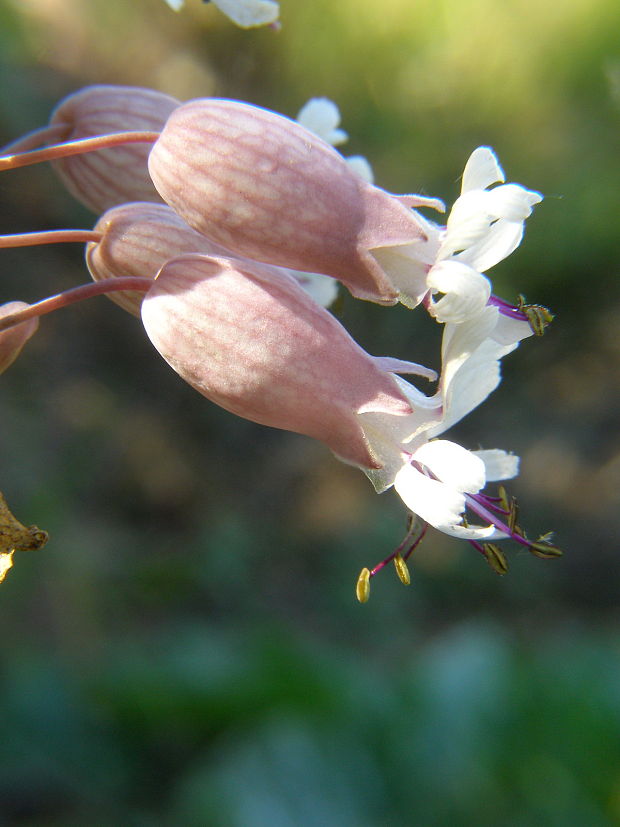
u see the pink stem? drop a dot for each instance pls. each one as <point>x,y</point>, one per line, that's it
<point>75,294</point>
<point>49,237</point>
<point>68,148</point>
<point>38,137</point>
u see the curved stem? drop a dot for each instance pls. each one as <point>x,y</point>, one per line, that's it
<point>75,294</point>
<point>38,137</point>
<point>68,148</point>
<point>49,237</point>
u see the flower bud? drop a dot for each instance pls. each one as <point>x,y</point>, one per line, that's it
<point>137,240</point>
<point>108,177</point>
<point>13,339</point>
<point>266,188</point>
<point>252,341</point>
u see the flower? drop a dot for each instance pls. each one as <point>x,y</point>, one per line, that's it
<point>434,477</point>
<point>250,339</point>
<point>270,190</point>
<point>245,13</point>
<point>484,226</point>
<point>439,481</point>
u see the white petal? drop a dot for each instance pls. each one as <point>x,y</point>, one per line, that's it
<point>438,504</point>
<point>481,170</point>
<point>453,465</point>
<point>466,291</point>
<point>322,116</point>
<point>361,167</point>
<point>499,241</point>
<point>468,222</point>
<point>509,331</point>
<point>499,465</point>
<point>175,5</point>
<point>477,377</point>
<point>512,202</point>
<point>461,341</point>
<point>248,13</point>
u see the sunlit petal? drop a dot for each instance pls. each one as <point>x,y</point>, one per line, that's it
<point>481,170</point>
<point>466,292</point>
<point>499,465</point>
<point>452,464</point>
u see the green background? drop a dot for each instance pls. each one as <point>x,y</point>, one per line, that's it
<point>187,649</point>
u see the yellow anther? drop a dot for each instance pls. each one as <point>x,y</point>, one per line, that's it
<point>362,589</point>
<point>401,570</point>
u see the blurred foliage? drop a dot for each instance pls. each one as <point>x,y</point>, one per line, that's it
<point>187,649</point>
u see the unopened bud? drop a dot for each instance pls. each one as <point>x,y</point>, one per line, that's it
<point>108,177</point>
<point>13,339</point>
<point>362,589</point>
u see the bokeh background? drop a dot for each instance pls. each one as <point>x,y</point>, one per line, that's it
<point>187,649</point>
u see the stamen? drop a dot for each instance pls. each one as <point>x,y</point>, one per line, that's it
<point>479,508</point>
<point>74,295</point>
<point>414,527</point>
<point>507,309</point>
<point>536,315</point>
<point>77,147</point>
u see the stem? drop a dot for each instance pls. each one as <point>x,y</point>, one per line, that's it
<point>49,237</point>
<point>68,148</point>
<point>38,137</point>
<point>76,294</point>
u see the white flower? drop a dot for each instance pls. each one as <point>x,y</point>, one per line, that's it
<point>484,226</point>
<point>245,13</point>
<point>436,479</point>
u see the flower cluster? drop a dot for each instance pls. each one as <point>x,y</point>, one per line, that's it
<point>227,229</point>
